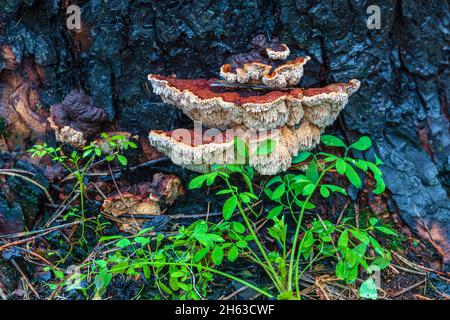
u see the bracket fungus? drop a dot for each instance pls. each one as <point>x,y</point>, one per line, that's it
<point>264,64</point>
<point>220,147</point>
<point>257,102</point>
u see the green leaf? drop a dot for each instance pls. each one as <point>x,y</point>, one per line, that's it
<point>336,188</point>
<point>211,177</point>
<point>376,171</point>
<point>308,205</point>
<point>380,187</point>
<point>373,221</point>
<point>274,212</point>
<point>142,240</point>
<point>312,173</point>
<point>308,240</point>
<point>102,280</point>
<point>201,227</point>
<point>122,160</point>
<point>242,244</point>
<point>86,153</point>
<point>378,160</point>
<point>208,238</point>
<point>245,198</point>
<point>164,287</point>
<point>328,157</point>
<point>351,274</point>
<point>119,138</point>
<point>132,144</point>
<point>109,238</point>
<point>251,195</point>
<point>380,263</point>
<point>301,179</point>
<point>217,255</point>
<point>274,180</point>
<point>177,274</point>
<point>98,152</point>
<point>352,176</point>
<point>308,189</point>
<point>233,167</point>
<point>278,192</point>
<point>233,254</point>
<point>368,290</point>
<point>250,172</point>
<point>229,206</point>
<point>247,181</point>
<point>324,191</point>
<point>362,144</point>
<point>123,243</point>
<point>301,157</point>
<point>341,270</point>
<point>360,250</point>
<point>376,246</point>
<point>287,295</point>
<point>350,258</point>
<point>200,254</point>
<point>361,236</point>
<point>343,241</point>
<point>197,182</point>
<point>224,191</point>
<point>362,164</point>
<point>238,227</point>
<point>59,274</point>
<point>173,282</point>
<point>341,166</point>
<point>386,230</point>
<point>332,141</point>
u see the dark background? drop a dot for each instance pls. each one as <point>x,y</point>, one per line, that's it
<point>403,103</point>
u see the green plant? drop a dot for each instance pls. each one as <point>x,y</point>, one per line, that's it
<point>182,265</point>
<point>351,248</point>
<point>97,225</point>
<point>79,163</point>
<point>293,193</point>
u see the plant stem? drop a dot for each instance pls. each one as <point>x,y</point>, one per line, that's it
<point>274,276</point>
<point>277,283</point>
<point>299,223</point>
<point>297,275</point>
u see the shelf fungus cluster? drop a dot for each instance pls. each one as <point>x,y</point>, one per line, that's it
<point>258,102</point>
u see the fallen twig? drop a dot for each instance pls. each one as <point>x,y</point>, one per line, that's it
<point>431,240</point>
<point>61,209</point>
<point>233,294</point>
<point>416,266</point>
<point>408,288</point>
<point>47,231</point>
<point>25,278</point>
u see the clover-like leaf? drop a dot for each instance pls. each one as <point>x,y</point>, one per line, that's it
<point>229,206</point>
<point>362,144</point>
<point>332,141</point>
